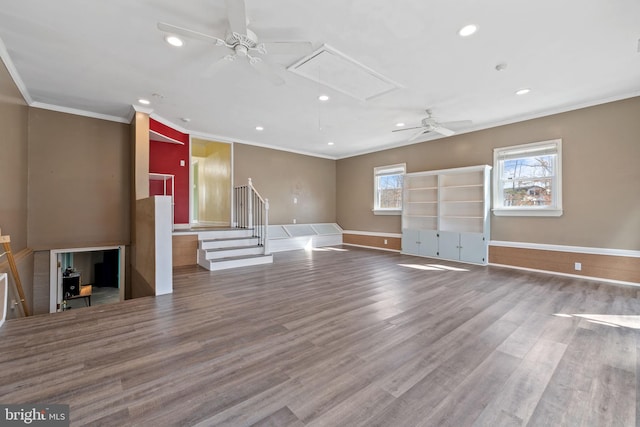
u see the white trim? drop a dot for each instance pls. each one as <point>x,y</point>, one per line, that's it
<point>563,248</point>
<point>372,233</point>
<point>13,72</point>
<point>181,227</point>
<point>387,211</point>
<point>372,247</point>
<point>167,123</point>
<point>533,211</point>
<point>552,146</point>
<point>158,137</point>
<point>576,276</point>
<point>387,170</point>
<point>78,112</point>
<point>142,109</point>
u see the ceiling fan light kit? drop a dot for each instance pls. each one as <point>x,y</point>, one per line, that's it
<point>240,40</point>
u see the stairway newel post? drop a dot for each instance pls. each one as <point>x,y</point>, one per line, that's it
<point>266,226</point>
<point>250,204</point>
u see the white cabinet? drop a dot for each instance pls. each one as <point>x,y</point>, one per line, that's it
<point>446,213</point>
<point>420,242</point>
<point>467,247</point>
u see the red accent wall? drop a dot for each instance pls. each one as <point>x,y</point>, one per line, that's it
<point>165,157</point>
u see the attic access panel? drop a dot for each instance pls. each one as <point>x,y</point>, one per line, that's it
<point>336,70</point>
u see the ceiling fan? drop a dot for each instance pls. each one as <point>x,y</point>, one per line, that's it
<point>241,41</point>
<point>430,124</point>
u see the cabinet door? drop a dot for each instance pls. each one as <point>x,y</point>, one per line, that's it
<point>473,248</point>
<point>411,241</point>
<point>449,245</point>
<point>429,243</point>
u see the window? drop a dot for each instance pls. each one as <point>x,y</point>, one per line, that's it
<point>387,182</point>
<point>527,179</point>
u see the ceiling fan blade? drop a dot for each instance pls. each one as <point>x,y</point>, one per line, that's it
<point>443,131</point>
<point>419,134</point>
<point>237,16</point>
<point>217,65</point>
<point>459,123</point>
<point>400,130</point>
<point>267,71</point>
<point>179,31</point>
<point>285,48</point>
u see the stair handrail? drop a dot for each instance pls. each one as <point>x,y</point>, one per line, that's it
<point>252,212</point>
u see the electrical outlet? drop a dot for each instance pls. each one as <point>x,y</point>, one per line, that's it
<point>294,220</point>
<point>295,200</point>
<point>578,266</point>
<point>385,241</point>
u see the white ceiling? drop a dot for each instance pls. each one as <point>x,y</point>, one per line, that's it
<point>99,57</point>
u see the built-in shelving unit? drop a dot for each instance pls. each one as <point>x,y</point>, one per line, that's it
<point>446,213</point>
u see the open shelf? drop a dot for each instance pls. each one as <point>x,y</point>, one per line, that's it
<point>446,213</point>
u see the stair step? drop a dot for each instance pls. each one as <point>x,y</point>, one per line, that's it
<point>229,248</point>
<point>227,242</point>
<point>234,262</point>
<point>225,234</point>
<point>230,252</point>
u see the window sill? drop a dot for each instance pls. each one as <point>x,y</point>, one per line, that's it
<point>387,211</point>
<point>527,212</point>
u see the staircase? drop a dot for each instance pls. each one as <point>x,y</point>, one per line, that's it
<point>230,248</point>
<point>245,244</point>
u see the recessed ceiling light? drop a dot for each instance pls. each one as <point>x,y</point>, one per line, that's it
<point>523,91</point>
<point>144,101</point>
<point>259,128</point>
<point>174,41</point>
<point>329,143</point>
<point>323,97</point>
<point>467,30</point>
<point>399,124</point>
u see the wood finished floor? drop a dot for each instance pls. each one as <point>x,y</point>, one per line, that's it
<point>339,338</point>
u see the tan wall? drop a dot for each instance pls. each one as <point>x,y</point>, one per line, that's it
<point>388,243</point>
<point>185,250</point>
<point>601,177</point>
<point>79,181</point>
<point>143,268</point>
<point>280,176</point>
<point>14,115</point>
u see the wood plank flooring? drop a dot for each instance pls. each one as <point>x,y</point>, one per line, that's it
<point>341,337</point>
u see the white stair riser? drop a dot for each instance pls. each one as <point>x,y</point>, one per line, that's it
<point>245,262</point>
<point>224,234</point>
<point>231,252</point>
<point>216,244</point>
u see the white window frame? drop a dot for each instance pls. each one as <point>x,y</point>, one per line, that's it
<point>504,153</point>
<point>398,169</point>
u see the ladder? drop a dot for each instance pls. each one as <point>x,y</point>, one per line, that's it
<point>6,243</point>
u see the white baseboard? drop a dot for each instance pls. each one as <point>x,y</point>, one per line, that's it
<point>373,247</point>
<point>372,233</point>
<point>575,276</point>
